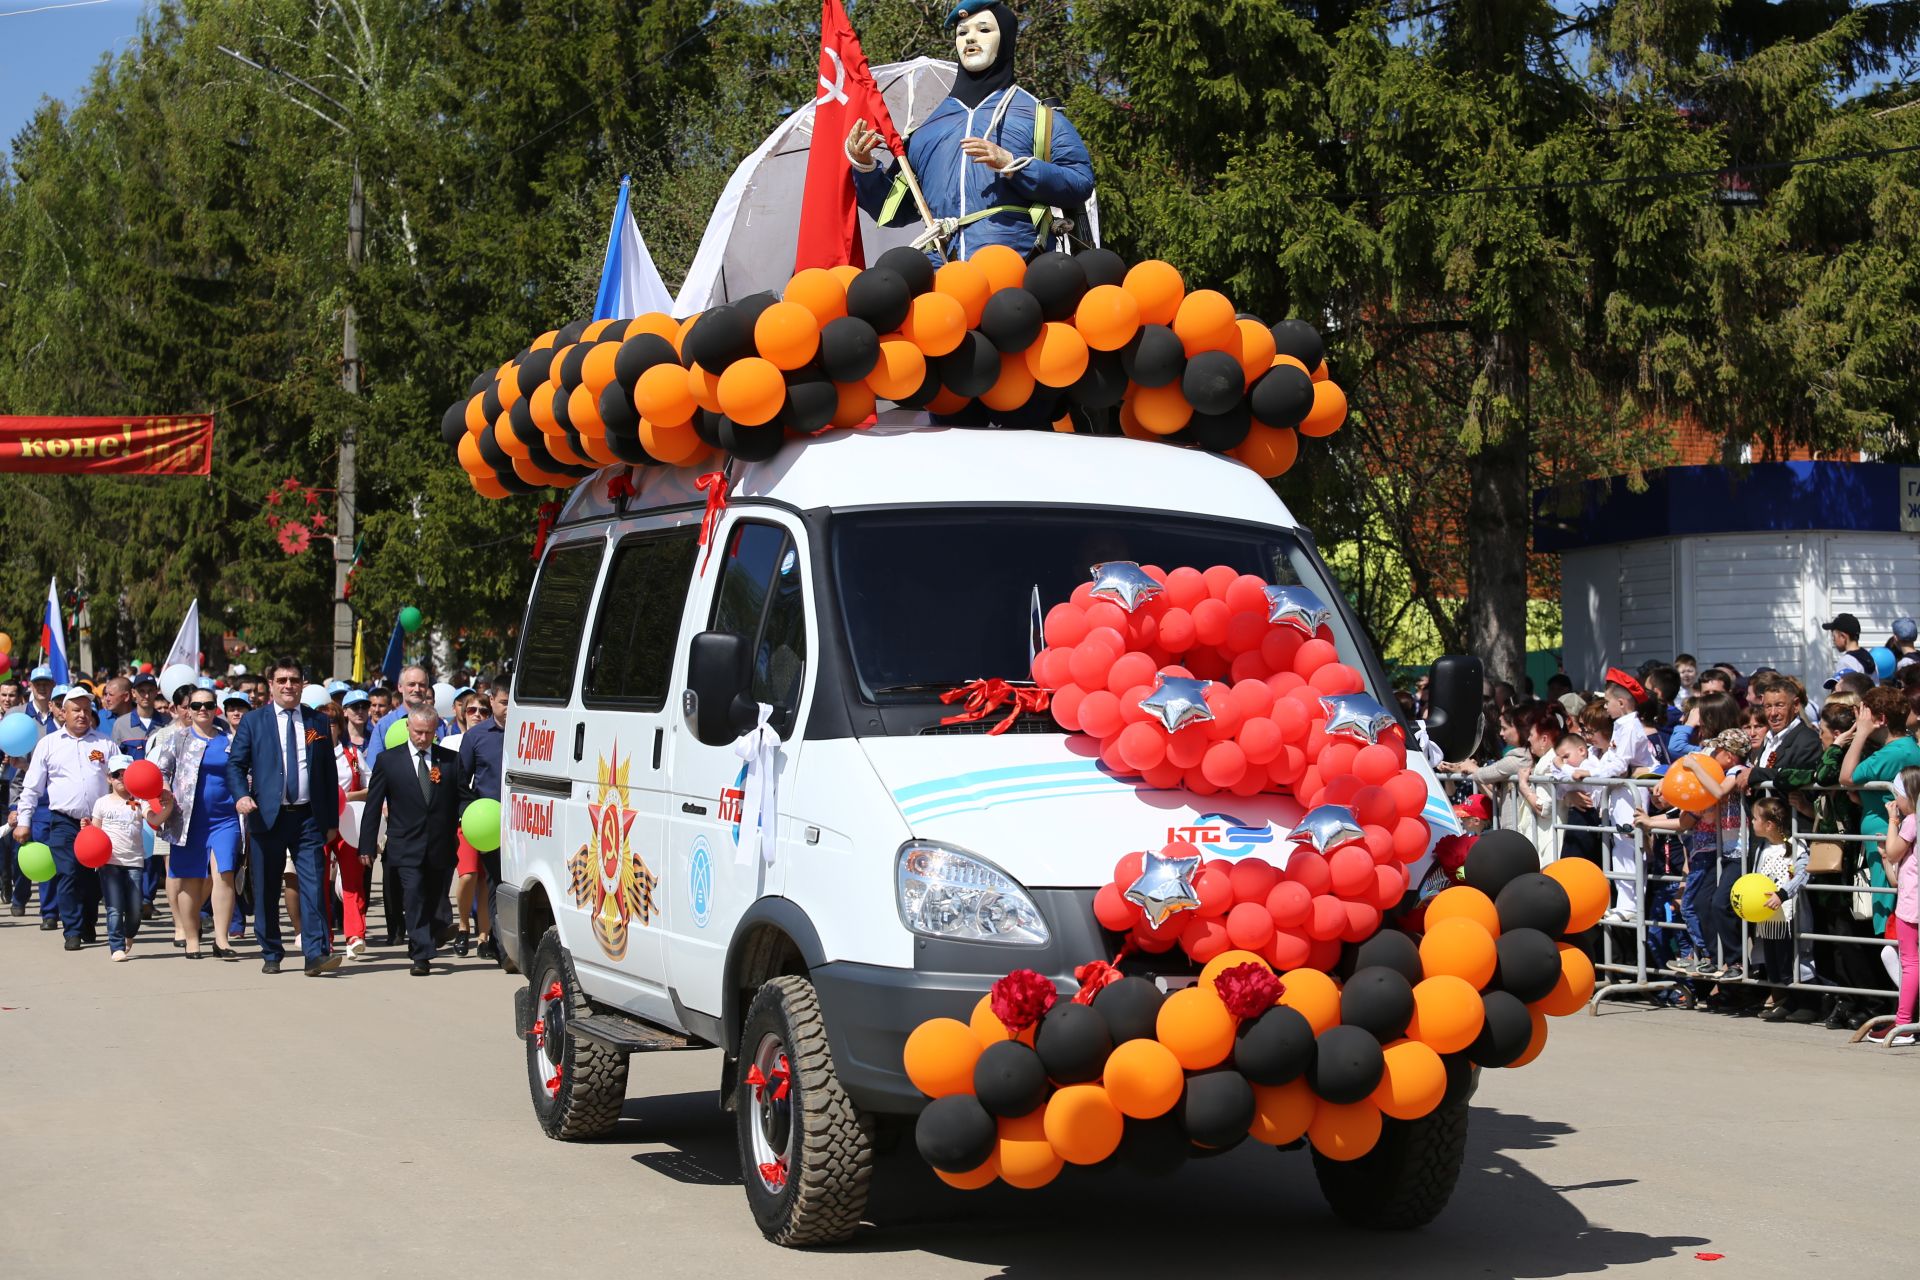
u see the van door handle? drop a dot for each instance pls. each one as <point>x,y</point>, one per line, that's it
<point>688,806</point>
<point>659,738</point>
<point>579,740</point>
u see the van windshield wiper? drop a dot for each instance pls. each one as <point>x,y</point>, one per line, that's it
<point>913,688</point>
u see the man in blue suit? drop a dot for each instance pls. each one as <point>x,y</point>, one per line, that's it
<point>281,767</point>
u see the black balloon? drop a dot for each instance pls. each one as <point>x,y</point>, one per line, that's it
<point>718,338</point>
<point>1505,1033</point>
<point>1347,1064</point>
<point>524,427</point>
<point>1103,385</point>
<point>491,452</point>
<point>1154,1147</point>
<point>1533,901</point>
<point>1275,1047</point>
<point>533,370</point>
<point>570,334</point>
<point>480,381</point>
<point>510,481</point>
<point>617,411</point>
<point>1379,1000</point>
<point>613,330</point>
<point>580,449</point>
<point>751,444</point>
<point>1213,382</point>
<point>1155,356</point>
<point>1460,1079</point>
<point>639,354</point>
<point>626,446</point>
<point>753,304</point>
<point>879,296</point>
<point>706,425</point>
<point>811,400</point>
<point>453,423</point>
<point>921,396</point>
<point>1131,1007</point>
<point>570,365</point>
<point>1220,432</point>
<point>1498,857</point>
<point>561,414</point>
<point>911,265</point>
<point>955,1133</point>
<point>1217,1108</point>
<point>490,402</point>
<point>1300,340</point>
<point>1393,950</point>
<point>849,348</point>
<point>1282,396</point>
<point>538,453</point>
<point>1058,281</point>
<point>1073,1043</point>
<point>1009,1079</point>
<point>1102,266</point>
<point>970,368</point>
<point>1011,320</point>
<point>1528,964</point>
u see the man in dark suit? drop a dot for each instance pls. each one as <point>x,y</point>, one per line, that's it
<point>1791,751</point>
<point>281,767</point>
<point>419,788</point>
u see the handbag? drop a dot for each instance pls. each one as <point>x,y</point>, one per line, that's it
<point>1826,857</point>
<point>1861,901</point>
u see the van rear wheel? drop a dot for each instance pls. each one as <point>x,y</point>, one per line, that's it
<point>578,1085</point>
<point>1406,1180</point>
<point>806,1152</point>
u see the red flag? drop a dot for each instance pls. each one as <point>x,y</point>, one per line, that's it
<point>829,218</point>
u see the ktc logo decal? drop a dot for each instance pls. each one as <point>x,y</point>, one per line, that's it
<point>700,882</point>
<point>1221,835</point>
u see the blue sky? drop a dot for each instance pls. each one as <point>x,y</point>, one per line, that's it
<point>51,53</point>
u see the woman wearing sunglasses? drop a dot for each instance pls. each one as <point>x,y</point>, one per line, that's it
<point>204,829</point>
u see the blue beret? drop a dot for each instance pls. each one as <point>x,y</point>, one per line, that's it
<point>965,9</point>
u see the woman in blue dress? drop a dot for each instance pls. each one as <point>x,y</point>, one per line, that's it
<point>204,828</point>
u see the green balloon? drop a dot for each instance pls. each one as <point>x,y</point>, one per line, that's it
<point>396,733</point>
<point>36,862</point>
<point>409,619</point>
<point>480,824</point>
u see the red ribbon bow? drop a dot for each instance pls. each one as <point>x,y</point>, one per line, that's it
<point>620,485</point>
<point>984,697</point>
<point>543,525</point>
<point>714,485</point>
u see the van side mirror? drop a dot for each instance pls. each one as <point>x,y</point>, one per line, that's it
<point>718,673</point>
<point>1453,705</point>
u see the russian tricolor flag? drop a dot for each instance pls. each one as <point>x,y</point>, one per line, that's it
<point>630,284</point>
<point>53,635</point>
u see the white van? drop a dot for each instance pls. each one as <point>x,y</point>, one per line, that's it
<point>909,864</point>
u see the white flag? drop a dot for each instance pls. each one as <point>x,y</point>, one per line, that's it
<point>186,645</point>
<point>630,284</point>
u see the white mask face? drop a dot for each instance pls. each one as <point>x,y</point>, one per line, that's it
<point>977,40</point>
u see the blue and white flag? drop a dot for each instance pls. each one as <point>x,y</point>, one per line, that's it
<point>630,284</point>
<point>186,642</point>
<point>53,636</point>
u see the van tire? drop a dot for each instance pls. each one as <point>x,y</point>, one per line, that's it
<point>820,1191</point>
<point>592,1078</point>
<point>1406,1180</point>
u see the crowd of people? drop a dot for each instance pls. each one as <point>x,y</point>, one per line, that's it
<point>1818,793</point>
<point>273,794</point>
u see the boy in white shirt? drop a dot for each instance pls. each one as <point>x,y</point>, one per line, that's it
<point>1628,753</point>
<point>121,816</point>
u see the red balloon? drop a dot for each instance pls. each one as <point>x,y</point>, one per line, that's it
<point>1066,625</point>
<point>1105,613</point>
<point>1050,668</point>
<point>1351,869</point>
<point>1113,911</point>
<point>1219,578</point>
<point>1374,807</point>
<point>1289,903</point>
<point>1110,756</point>
<point>1336,677</point>
<point>1312,655</point>
<point>1338,788</point>
<point>1163,776</point>
<point>1100,714</point>
<point>1143,630</point>
<point>1089,663</point>
<point>1224,764</point>
<point>1259,739</point>
<point>1287,766</point>
<point>1363,919</point>
<point>92,847</point>
<point>1066,706</point>
<point>1390,883</point>
<point>1379,843</point>
<point>1310,869</point>
<point>1185,588</point>
<point>1156,941</point>
<point>1177,630</point>
<point>1197,783</point>
<point>1329,918</point>
<point>1253,879</point>
<point>1247,594</point>
<point>1248,671</point>
<point>1142,746</point>
<point>143,779</point>
<point>1410,838</point>
<point>1252,783</point>
<point>1280,646</point>
<point>1324,953</point>
<point>1336,759</point>
<point>1287,949</point>
<point>1249,926</point>
<point>1188,746</point>
<point>1204,938</point>
<point>1213,885</point>
<point>1128,869</point>
<point>1210,621</point>
<point>1246,630</point>
<point>1252,697</point>
<point>1409,793</point>
<point>1375,764</point>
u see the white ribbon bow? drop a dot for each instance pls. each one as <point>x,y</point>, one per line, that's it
<point>760,801</point>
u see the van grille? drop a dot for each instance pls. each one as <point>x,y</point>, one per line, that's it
<point>1041,723</point>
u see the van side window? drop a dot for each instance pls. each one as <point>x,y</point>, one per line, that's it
<point>550,641</point>
<point>761,596</point>
<point>633,638</point>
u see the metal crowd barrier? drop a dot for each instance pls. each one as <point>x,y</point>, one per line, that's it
<point>1648,969</point>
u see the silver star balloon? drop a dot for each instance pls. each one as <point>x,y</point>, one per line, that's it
<point>1177,702</point>
<point>1125,583</point>
<point>1298,608</point>
<point>1326,828</point>
<point>1356,717</point>
<point>1165,887</point>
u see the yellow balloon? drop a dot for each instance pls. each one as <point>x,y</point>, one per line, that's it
<point>6,643</point>
<point>1750,894</point>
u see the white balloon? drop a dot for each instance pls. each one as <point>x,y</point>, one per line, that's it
<point>314,697</point>
<point>443,694</point>
<point>350,821</point>
<point>452,741</point>
<point>175,676</point>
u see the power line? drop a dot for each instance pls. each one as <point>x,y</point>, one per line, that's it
<point>49,8</point>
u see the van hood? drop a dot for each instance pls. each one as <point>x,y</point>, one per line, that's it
<point>1044,809</point>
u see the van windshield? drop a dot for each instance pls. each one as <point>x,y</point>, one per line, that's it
<point>931,599</point>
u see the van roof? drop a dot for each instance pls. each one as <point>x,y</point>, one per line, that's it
<point>912,464</point>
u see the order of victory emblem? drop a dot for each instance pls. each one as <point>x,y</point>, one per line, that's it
<point>610,878</point>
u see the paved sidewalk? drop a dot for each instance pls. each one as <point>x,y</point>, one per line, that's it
<point>161,1118</point>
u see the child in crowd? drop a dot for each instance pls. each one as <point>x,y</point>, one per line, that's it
<point>1582,838</point>
<point>118,814</point>
<point>1784,861</point>
<point>1903,871</point>
<point>1713,839</point>
<point>1627,753</point>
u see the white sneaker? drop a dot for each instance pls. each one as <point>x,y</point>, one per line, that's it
<point>119,956</point>
<point>356,949</point>
<point>1886,1037</point>
<point>296,943</point>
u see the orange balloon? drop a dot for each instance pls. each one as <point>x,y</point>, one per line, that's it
<point>655,322</point>
<point>1224,961</point>
<point>540,405</point>
<point>1027,1159</point>
<point>945,401</point>
<point>1107,317</point>
<point>902,368</point>
<point>1270,451</point>
<point>1158,288</point>
<point>1004,267</point>
<point>680,334</point>
<point>1058,356</point>
<point>1319,372</point>
<point>1162,410</point>
<point>787,335</point>
<point>477,414</point>
<point>967,284</point>
<point>1681,787</point>
<point>1587,891</point>
<point>1414,1082</point>
<point>1281,1113</point>
<point>1014,386</point>
<point>553,367</point>
<point>1082,1124</point>
<point>1295,361</point>
<point>844,274</point>
<point>508,438</point>
<point>545,340</point>
<point>935,323</point>
<point>1130,423</point>
<point>988,1029</point>
<point>1314,995</point>
<point>1464,902</point>
<point>593,331</point>
<point>1143,1078</point>
<point>705,389</point>
<point>1196,1026</point>
<point>489,486</point>
<point>524,468</point>
<point>1256,348</point>
<point>975,1178</point>
<point>468,451</point>
<point>596,371</point>
<point>583,411</point>
<point>1205,321</point>
<point>1345,1132</point>
<point>675,444</point>
<point>596,450</point>
<point>855,404</point>
<point>663,395</point>
<point>1064,424</point>
<point>818,291</point>
<point>508,382</point>
<point>1328,412</point>
<point>1447,1013</point>
<point>1459,947</point>
<point>1537,1041</point>
<point>1574,987</point>
<point>939,1057</point>
<point>752,391</point>
<point>562,451</point>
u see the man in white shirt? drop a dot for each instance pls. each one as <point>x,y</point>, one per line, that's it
<point>68,772</point>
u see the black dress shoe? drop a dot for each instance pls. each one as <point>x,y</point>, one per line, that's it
<point>1776,1014</point>
<point>389,939</point>
<point>419,970</point>
<point>224,953</point>
<point>1837,1016</point>
<point>1803,1017</point>
<point>461,944</point>
<point>487,950</point>
<point>444,935</point>
<point>19,909</point>
<point>180,944</point>
<point>47,926</point>
<point>74,944</point>
<point>269,966</point>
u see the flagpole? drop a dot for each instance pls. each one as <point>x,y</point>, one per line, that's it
<point>919,199</point>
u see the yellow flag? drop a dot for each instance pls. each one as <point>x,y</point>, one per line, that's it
<point>359,651</point>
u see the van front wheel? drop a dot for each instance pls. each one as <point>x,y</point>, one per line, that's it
<point>578,1085</point>
<point>806,1152</point>
<point>1406,1180</point>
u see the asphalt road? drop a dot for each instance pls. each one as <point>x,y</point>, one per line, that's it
<point>168,1119</point>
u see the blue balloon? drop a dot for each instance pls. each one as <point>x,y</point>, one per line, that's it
<point>18,732</point>
<point>146,839</point>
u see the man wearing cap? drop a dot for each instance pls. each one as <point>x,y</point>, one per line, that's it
<point>1905,643</point>
<point>68,771</point>
<point>1845,630</point>
<point>1628,753</point>
<point>40,704</point>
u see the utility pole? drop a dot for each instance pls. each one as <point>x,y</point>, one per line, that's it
<point>343,515</point>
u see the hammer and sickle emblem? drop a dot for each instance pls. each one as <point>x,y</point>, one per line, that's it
<point>835,89</point>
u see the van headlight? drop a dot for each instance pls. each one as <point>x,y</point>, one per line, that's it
<point>945,893</point>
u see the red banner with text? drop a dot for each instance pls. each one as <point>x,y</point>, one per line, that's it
<point>178,445</point>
